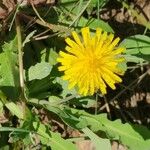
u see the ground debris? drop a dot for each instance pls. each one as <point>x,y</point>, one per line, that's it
<point>7,6</point>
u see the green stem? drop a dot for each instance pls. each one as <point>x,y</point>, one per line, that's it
<point>20,54</point>
<point>96,106</point>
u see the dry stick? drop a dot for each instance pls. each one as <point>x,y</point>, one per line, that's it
<point>133,118</point>
<point>40,34</point>
<point>121,112</point>
<point>46,36</point>
<point>30,24</point>
<point>107,106</point>
<point>18,30</point>
<point>36,12</point>
<point>138,65</point>
<point>138,80</point>
<point>96,104</point>
<point>54,27</point>
<point>11,24</point>
<point>38,21</point>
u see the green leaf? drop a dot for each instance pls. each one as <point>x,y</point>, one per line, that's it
<point>73,121</point>
<point>137,45</point>
<point>125,133</point>
<point>123,65</point>
<point>52,139</point>
<point>98,142</point>
<point>71,6</point>
<point>132,58</point>
<point>95,23</point>
<point>41,88</point>
<point>75,8</point>
<point>128,134</point>
<point>61,143</point>
<point>101,3</point>
<point>132,136</point>
<point>1,107</point>
<point>96,3</point>
<point>39,71</point>
<point>53,57</point>
<point>85,102</point>
<point>3,100</point>
<point>15,110</point>
<point>27,39</point>
<point>64,85</point>
<point>67,117</point>
<point>54,99</point>
<point>23,136</point>
<point>9,74</point>
<point>18,134</point>
<point>11,129</point>
<point>50,55</point>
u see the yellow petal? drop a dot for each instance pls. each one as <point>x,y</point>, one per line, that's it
<point>86,35</point>
<point>114,43</point>
<point>118,51</point>
<point>76,38</point>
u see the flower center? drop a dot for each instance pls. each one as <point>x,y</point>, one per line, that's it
<point>93,63</point>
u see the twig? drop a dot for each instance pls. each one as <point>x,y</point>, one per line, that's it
<point>46,36</point>
<point>54,27</point>
<point>96,104</point>
<point>133,118</point>
<point>107,106</point>
<point>38,21</point>
<point>138,65</point>
<point>14,17</point>
<point>37,36</point>
<point>120,110</point>
<point>37,12</point>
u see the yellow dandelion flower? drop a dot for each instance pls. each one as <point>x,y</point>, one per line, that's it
<point>91,62</point>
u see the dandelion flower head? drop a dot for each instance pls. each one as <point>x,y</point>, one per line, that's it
<point>91,62</point>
